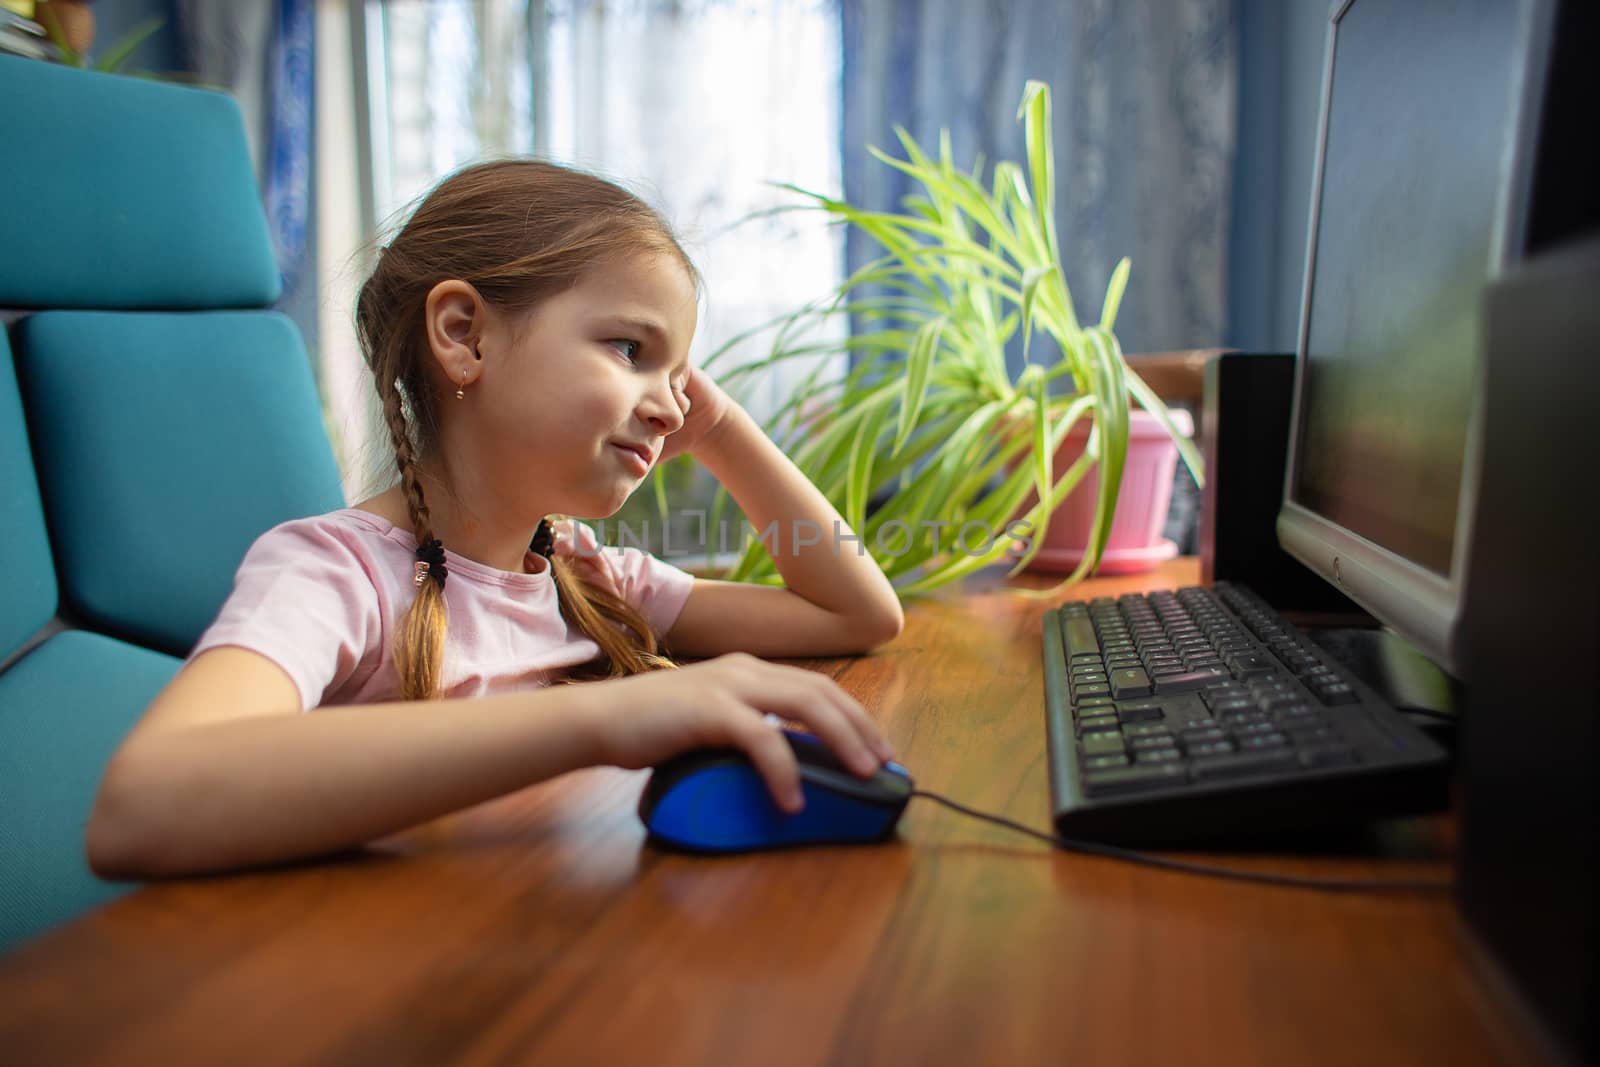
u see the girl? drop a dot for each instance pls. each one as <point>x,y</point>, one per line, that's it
<point>528,332</point>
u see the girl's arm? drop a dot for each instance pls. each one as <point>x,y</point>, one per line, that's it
<point>224,772</point>
<point>836,600</point>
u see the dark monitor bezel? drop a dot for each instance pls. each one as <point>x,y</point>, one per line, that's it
<point>1422,606</point>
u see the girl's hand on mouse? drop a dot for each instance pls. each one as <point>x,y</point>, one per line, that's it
<point>704,406</point>
<point>646,719</point>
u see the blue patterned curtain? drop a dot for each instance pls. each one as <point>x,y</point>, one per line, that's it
<point>1143,96</point>
<point>287,180</point>
<point>261,51</point>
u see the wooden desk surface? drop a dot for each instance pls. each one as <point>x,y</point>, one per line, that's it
<point>540,928</point>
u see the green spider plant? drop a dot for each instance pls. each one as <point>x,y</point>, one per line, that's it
<point>928,425</point>
<point>115,56</point>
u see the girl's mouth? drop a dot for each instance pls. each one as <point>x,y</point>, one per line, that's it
<point>634,458</point>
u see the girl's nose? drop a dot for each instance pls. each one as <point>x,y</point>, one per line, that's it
<point>661,408</point>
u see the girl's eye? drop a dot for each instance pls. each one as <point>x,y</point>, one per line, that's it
<point>629,349</point>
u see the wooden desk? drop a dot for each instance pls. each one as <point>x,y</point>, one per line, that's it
<point>540,928</point>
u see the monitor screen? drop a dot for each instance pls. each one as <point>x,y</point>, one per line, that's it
<point>1416,208</point>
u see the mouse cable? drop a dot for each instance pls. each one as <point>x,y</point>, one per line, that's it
<point>1291,881</point>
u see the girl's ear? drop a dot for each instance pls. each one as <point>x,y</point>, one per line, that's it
<point>455,317</point>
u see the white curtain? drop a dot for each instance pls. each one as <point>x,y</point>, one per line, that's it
<point>450,82</point>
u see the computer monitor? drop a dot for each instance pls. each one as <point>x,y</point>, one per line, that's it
<point>1419,200</point>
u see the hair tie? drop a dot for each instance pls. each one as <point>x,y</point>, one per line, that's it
<point>430,564</point>
<point>544,540</point>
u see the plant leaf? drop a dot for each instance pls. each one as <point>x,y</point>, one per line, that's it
<point>1034,114</point>
<point>1043,459</point>
<point>1030,294</point>
<point>919,363</point>
<point>863,447</point>
<point>1114,288</point>
<point>118,53</point>
<point>1152,403</point>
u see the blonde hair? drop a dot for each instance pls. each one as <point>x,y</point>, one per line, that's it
<point>517,231</point>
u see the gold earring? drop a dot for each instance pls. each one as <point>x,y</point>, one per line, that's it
<point>460,395</point>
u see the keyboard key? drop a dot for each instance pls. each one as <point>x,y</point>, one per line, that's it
<point>1089,723</point>
<point>1098,689</point>
<point>1337,693</point>
<point>1139,777</point>
<point>1245,664</point>
<point>1223,691</point>
<point>1140,711</point>
<point>1079,635</point>
<point>1101,743</point>
<point>1211,748</point>
<point>1147,729</point>
<point>1185,681</point>
<point>1194,738</point>
<point>1095,763</point>
<point>1235,764</point>
<point>1131,682</point>
<point>1266,740</point>
<point>1299,711</point>
<point>1157,755</point>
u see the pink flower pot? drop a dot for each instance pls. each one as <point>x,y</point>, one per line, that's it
<point>1136,543</point>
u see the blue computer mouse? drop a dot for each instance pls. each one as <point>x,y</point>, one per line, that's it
<point>714,800</point>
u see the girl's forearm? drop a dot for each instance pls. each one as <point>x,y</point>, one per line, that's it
<point>819,556</point>
<point>274,787</point>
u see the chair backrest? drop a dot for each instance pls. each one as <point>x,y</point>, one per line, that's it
<point>155,418</point>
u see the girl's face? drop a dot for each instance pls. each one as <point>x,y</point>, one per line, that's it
<point>576,398</point>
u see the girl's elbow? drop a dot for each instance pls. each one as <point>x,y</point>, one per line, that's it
<point>114,845</point>
<point>107,844</point>
<point>894,623</point>
<point>880,629</point>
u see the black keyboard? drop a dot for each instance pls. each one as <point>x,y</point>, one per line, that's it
<point>1174,716</point>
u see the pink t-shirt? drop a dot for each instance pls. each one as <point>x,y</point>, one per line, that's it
<point>322,597</point>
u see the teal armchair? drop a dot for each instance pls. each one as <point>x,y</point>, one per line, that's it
<point>155,418</point>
